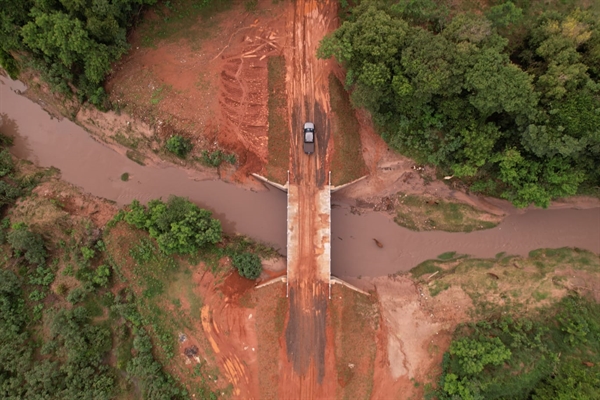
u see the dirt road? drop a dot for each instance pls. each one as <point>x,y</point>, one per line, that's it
<point>304,371</point>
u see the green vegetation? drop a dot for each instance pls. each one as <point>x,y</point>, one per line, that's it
<point>176,19</point>
<point>247,264</point>
<point>179,226</point>
<point>27,243</point>
<point>216,158</point>
<point>136,157</point>
<point>179,146</point>
<point>64,348</point>
<point>347,162</point>
<point>553,355</point>
<point>550,351</point>
<point>424,214</point>
<point>125,176</point>
<point>70,43</point>
<point>279,134</point>
<point>507,101</point>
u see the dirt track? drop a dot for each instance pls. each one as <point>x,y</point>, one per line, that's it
<point>304,372</point>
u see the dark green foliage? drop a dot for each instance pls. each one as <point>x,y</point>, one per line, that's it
<point>447,92</point>
<point>69,42</point>
<point>153,382</point>
<point>179,146</point>
<point>62,351</point>
<point>247,264</point>
<point>76,295</point>
<point>179,226</point>
<point>553,356</point>
<point>6,163</point>
<point>8,193</point>
<point>29,244</point>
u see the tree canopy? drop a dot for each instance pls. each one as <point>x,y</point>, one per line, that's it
<point>524,125</point>
<point>179,226</point>
<point>70,42</point>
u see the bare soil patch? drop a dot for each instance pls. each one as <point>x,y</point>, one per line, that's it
<point>209,85</point>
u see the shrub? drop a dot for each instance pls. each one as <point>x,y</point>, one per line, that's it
<point>247,264</point>
<point>179,146</point>
<point>102,275</point>
<point>125,177</point>
<point>31,244</point>
<point>76,295</point>
<point>216,158</point>
<point>8,193</point>
<point>179,226</point>
<point>6,163</point>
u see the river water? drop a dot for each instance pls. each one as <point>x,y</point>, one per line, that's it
<point>262,215</point>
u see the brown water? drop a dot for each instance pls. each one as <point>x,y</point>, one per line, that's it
<point>262,215</point>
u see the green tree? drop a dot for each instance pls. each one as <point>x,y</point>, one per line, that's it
<point>179,226</point>
<point>505,14</point>
<point>474,355</point>
<point>247,264</point>
<point>179,146</point>
<point>30,244</point>
<point>6,163</point>
<point>450,94</point>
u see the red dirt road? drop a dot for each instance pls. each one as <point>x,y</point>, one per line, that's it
<point>307,363</point>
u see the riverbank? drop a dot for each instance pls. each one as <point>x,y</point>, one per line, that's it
<point>261,213</point>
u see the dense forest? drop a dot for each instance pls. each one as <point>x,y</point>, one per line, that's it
<point>508,100</point>
<point>72,43</point>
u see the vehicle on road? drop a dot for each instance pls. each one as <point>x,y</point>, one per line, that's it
<point>309,138</point>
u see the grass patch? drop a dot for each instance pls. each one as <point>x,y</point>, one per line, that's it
<point>347,162</point>
<point>438,287</point>
<point>425,268</point>
<point>157,95</point>
<point>127,141</point>
<point>180,19</point>
<point>136,157</point>
<point>278,132</point>
<point>423,214</point>
<point>511,284</point>
<point>447,255</point>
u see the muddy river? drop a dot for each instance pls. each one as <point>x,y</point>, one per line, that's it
<point>262,215</point>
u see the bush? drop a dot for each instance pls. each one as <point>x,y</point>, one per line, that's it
<point>179,146</point>
<point>8,193</point>
<point>6,163</point>
<point>216,158</point>
<point>76,295</point>
<point>248,265</point>
<point>125,177</point>
<point>31,244</point>
<point>102,275</point>
<point>179,226</point>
